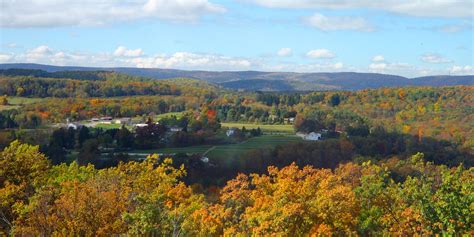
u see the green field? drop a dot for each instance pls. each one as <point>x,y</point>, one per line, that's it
<point>17,102</point>
<point>269,128</point>
<point>109,126</point>
<point>265,141</point>
<point>177,114</point>
<point>188,150</point>
<point>230,150</point>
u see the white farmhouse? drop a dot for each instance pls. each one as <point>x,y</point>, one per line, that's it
<point>313,136</point>
<point>74,126</point>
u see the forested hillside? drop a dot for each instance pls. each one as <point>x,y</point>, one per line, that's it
<point>274,81</point>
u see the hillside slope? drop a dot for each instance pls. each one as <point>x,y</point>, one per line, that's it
<point>274,81</point>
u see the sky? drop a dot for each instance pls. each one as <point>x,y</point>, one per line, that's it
<point>410,38</point>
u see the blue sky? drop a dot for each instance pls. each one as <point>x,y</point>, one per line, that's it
<point>409,38</point>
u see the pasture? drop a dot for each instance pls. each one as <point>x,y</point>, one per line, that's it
<point>266,128</point>
<point>264,141</point>
<point>16,102</point>
<point>170,114</point>
<point>228,150</point>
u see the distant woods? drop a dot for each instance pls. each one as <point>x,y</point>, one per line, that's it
<point>84,84</point>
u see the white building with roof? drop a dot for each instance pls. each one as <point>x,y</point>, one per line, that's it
<point>312,136</point>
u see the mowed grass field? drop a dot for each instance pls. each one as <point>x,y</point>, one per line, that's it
<point>17,102</point>
<point>110,126</point>
<point>170,114</point>
<point>264,141</point>
<point>268,128</point>
<point>230,150</point>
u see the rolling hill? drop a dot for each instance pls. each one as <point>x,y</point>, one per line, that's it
<point>272,81</point>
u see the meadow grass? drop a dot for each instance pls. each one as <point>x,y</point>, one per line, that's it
<point>228,150</point>
<point>264,141</point>
<point>282,128</point>
<point>16,102</point>
<point>109,126</point>
<point>165,115</point>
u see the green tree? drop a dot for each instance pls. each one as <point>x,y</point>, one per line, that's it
<point>3,100</point>
<point>124,138</point>
<point>22,168</point>
<point>335,100</point>
<point>89,152</point>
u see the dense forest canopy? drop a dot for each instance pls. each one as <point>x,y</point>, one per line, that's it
<point>91,84</point>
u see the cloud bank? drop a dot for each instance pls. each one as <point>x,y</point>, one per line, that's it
<point>126,57</point>
<point>332,23</point>
<point>60,13</point>
<point>423,8</point>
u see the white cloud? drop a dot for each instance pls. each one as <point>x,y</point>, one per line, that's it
<point>285,52</point>
<point>378,66</point>
<point>45,55</point>
<point>55,13</point>
<point>41,50</point>
<point>4,58</point>
<point>424,8</point>
<point>123,57</point>
<point>313,67</point>
<point>332,23</point>
<point>378,58</point>
<point>462,70</point>
<point>182,10</point>
<point>121,51</point>
<point>402,69</point>
<point>434,58</point>
<point>187,60</point>
<point>320,53</point>
<point>338,65</point>
<point>202,61</point>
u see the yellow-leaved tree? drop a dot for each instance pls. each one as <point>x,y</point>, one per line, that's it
<point>22,168</point>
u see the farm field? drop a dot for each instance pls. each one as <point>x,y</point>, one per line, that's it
<point>264,141</point>
<point>269,128</point>
<point>230,150</point>
<point>170,114</point>
<point>109,126</point>
<point>17,102</point>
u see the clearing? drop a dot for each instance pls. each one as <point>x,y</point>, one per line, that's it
<point>228,150</point>
<point>267,128</point>
<point>16,102</point>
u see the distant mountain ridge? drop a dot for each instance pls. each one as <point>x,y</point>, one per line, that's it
<point>273,81</point>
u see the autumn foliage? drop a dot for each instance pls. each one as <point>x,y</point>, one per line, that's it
<point>149,198</point>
